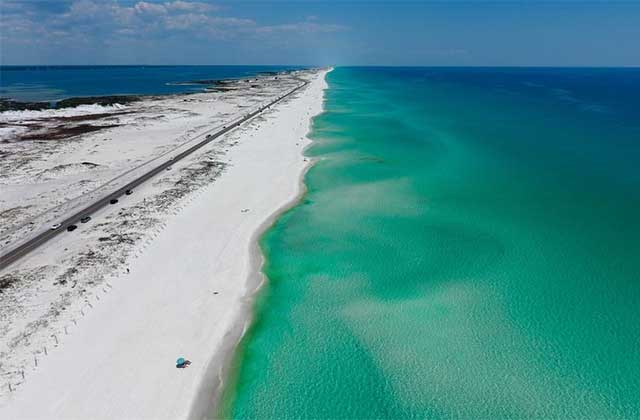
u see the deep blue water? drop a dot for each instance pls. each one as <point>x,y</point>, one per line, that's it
<point>53,83</point>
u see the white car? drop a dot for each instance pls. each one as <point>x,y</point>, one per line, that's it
<point>56,226</point>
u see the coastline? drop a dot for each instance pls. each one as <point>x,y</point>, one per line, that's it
<point>203,379</point>
<point>212,389</point>
<point>209,398</point>
<point>48,94</point>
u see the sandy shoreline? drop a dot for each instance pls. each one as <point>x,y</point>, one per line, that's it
<point>197,273</point>
<point>208,398</point>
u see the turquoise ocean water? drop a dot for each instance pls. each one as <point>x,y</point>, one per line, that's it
<point>468,248</point>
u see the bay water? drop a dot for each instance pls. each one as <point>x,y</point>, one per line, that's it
<point>53,83</point>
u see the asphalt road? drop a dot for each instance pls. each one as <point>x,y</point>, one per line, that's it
<point>16,253</point>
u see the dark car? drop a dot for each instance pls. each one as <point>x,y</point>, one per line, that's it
<point>129,192</point>
<point>71,228</point>
<point>85,219</point>
<point>113,201</point>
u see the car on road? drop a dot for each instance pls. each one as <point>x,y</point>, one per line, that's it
<point>169,168</point>
<point>113,201</point>
<point>56,226</point>
<point>85,219</point>
<point>128,192</point>
<point>71,228</point>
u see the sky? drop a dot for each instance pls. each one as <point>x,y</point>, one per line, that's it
<point>395,33</point>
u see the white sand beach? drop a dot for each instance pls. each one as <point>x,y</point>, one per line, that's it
<point>103,343</point>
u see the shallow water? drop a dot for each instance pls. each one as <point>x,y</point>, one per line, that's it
<point>468,247</point>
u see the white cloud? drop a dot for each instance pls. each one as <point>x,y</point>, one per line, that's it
<point>146,8</point>
<point>191,6</point>
<point>302,27</point>
<point>175,7</point>
<point>186,21</point>
<point>102,20</point>
<point>85,9</point>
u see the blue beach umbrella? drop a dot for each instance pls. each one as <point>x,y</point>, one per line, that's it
<point>180,361</point>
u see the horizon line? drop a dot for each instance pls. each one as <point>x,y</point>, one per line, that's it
<point>331,65</point>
